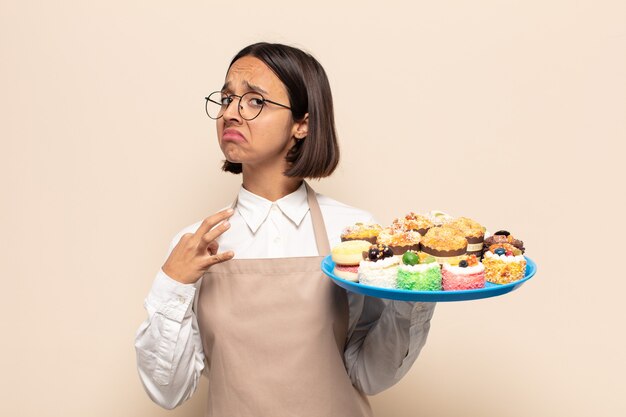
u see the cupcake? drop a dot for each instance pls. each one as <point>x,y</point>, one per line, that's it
<point>379,268</point>
<point>399,240</point>
<point>502,236</point>
<point>413,221</point>
<point>347,256</point>
<point>419,274</point>
<point>361,231</point>
<point>504,263</point>
<point>468,275</point>
<point>473,232</point>
<point>438,218</point>
<point>446,244</point>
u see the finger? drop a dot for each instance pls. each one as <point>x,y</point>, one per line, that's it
<point>213,234</point>
<point>220,257</point>
<point>186,237</point>
<point>213,247</point>
<point>211,221</point>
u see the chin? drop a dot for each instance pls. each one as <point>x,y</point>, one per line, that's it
<point>231,155</point>
<point>232,159</point>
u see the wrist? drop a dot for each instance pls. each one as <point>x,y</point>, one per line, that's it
<point>178,276</point>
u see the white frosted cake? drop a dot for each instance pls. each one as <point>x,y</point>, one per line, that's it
<point>381,273</point>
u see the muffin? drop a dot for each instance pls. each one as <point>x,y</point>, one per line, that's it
<point>473,232</point>
<point>413,221</point>
<point>361,231</point>
<point>438,218</point>
<point>446,244</point>
<point>399,240</point>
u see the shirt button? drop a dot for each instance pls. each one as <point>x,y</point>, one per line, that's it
<point>181,300</point>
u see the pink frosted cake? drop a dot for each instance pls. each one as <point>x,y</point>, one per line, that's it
<point>468,275</point>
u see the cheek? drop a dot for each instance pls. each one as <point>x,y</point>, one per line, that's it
<point>277,135</point>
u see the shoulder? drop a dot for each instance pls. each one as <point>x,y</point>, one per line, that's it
<point>334,208</point>
<point>338,215</point>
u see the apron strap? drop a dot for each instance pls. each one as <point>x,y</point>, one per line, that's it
<point>319,227</point>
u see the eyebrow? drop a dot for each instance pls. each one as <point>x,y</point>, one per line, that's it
<point>247,84</point>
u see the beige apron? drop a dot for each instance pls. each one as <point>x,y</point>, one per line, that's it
<point>273,333</point>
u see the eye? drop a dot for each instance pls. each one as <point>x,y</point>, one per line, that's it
<point>226,100</point>
<point>256,102</point>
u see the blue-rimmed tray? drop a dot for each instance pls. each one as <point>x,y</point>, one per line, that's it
<point>490,290</point>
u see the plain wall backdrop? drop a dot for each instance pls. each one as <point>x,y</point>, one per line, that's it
<point>509,112</point>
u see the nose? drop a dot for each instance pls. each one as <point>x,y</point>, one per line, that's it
<point>232,110</point>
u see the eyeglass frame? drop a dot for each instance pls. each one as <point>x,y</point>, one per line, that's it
<point>239,107</point>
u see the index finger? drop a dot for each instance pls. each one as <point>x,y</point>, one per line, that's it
<point>211,221</point>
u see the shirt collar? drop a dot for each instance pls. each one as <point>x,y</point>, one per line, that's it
<point>255,209</point>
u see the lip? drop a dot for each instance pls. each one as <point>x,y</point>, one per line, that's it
<point>232,135</point>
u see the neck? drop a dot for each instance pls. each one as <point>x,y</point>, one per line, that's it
<point>269,184</point>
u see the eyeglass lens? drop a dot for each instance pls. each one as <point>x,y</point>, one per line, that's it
<point>249,105</point>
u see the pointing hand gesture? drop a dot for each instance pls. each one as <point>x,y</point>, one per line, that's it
<point>197,252</point>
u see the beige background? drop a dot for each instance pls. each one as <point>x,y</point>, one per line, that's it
<point>510,112</point>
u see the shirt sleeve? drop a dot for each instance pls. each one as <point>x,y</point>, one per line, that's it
<point>385,339</point>
<point>169,352</point>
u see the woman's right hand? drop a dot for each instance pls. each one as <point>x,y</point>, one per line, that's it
<point>197,252</point>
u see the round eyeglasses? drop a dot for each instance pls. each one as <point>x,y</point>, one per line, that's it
<point>250,104</point>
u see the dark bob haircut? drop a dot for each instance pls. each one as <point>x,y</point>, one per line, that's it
<point>317,155</point>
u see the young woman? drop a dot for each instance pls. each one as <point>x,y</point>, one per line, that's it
<point>241,296</point>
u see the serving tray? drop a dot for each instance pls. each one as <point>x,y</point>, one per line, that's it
<point>490,290</point>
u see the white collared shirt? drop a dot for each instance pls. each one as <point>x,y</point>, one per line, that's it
<point>170,359</point>
<point>264,229</point>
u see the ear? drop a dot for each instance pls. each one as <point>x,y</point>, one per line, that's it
<point>301,128</point>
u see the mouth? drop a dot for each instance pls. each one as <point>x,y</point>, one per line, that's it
<point>232,135</point>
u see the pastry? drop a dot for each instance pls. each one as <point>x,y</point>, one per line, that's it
<point>468,275</point>
<point>473,231</point>
<point>445,243</point>
<point>416,275</point>
<point>347,256</point>
<point>361,231</point>
<point>438,218</point>
<point>399,240</point>
<point>379,268</point>
<point>504,263</point>
<point>413,221</point>
<point>502,236</point>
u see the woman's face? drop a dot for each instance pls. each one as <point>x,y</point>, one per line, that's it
<point>265,140</point>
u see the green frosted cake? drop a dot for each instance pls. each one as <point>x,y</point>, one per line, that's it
<point>420,277</point>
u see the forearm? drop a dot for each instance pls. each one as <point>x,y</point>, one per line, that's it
<point>380,353</point>
<point>168,346</point>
